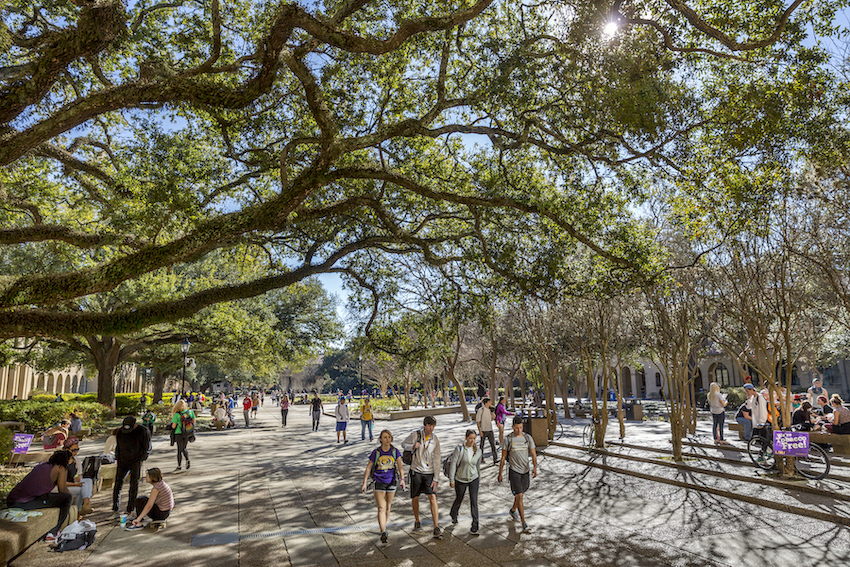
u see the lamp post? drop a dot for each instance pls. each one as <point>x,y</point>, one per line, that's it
<point>184,346</point>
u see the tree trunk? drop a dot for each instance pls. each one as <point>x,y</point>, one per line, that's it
<point>522,390</point>
<point>459,385</point>
<point>106,352</point>
<point>564,393</point>
<point>158,385</point>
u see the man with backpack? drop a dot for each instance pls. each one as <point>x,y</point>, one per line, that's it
<point>484,421</point>
<point>422,450</point>
<point>516,450</point>
<point>132,447</point>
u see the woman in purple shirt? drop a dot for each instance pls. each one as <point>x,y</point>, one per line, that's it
<point>387,470</point>
<point>34,490</point>
<point>501,414</point>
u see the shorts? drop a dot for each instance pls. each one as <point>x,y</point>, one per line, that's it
<point>341,425</point>
<point>519,481</point>
<point>386,487</point>
<point>420,484</point>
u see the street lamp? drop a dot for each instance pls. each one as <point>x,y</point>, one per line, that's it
<point>184,346</point>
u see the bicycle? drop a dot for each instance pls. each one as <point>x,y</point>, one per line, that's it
<point>588,435</point>
<point>559,427</point>
<point>814,466</point>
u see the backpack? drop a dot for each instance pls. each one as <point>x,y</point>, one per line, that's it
<point>478,406</point>
<point>407,456</point>
<point>77,535</point>
<point>187,423</point>
<point>91,467</point>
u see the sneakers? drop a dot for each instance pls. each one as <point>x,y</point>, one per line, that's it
<point>188,464</point>
<point>524,527</point>
<point>438,533</point>
<point>514,515</point>
<point>50,537</point>
<point>474,530</point>
<point>130,527</point>
<point>384,537</point>
<point>178,469</point>
<point>417,526</point>
<point>345,442</point>
<point>454,519</point>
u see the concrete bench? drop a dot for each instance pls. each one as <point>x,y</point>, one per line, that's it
<point>19,425</point>
<point>422,412</point>
<point>15,537</point>
<point>840,443</point>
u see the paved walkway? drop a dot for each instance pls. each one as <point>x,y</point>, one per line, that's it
<point>287,496</point>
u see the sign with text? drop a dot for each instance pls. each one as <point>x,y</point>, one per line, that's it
<point>791,443</point>
<point>22,443</point>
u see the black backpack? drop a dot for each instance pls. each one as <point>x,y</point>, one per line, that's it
<point>91,468</point>
<point>407,456</point>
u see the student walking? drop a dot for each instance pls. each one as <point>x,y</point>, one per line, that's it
<point>424,470</point>
<point>284,409</point>
<point>484,421</point>
<point>366,418</point>
<point>464,473</point>
<point>387,470</point>
<point>517,448</point>
<point>316,408</point>
<point>342,417</point>
<point>183,431</point>
<point>246,410</point>
<point>501,413</point>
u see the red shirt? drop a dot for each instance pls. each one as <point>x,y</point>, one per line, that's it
<point>246,404</point>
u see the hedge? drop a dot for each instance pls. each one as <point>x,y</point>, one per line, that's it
<point>124,403</point>
<point>37,416</point>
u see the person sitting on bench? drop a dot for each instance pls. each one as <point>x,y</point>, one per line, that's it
<point>34,490</point>
<point>56,435</point>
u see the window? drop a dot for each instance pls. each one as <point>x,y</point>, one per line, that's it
<point>721,374</point>
<point>658,379</point>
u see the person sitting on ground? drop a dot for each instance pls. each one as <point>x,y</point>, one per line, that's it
<point>80,488</point>
<point>840,422</point>
<point>157,507</point>
<point>56,435</point>
<point>220,415</point>
<point>803,417</point>
<point>35,491</point>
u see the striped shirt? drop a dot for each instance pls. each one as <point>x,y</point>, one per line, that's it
<point>164,498</point>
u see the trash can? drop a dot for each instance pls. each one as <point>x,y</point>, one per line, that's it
<point>534,423</point>
<point>634,412</point>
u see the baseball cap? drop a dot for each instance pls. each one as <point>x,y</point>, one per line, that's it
<point>749,387</point>
<point>129,422</point>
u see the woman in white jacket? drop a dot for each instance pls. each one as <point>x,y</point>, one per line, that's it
<point>464,471</point>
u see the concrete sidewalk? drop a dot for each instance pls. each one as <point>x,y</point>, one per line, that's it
<point>288,496</point>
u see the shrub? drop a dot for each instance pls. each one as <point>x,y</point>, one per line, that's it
<point>6,444</point>
<point>39,415</point>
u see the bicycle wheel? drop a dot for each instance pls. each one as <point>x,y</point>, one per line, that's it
<point>761,452</point>
<point>815,465</point>
<point>587,436</point>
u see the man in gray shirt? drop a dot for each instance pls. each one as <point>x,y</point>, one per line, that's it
<point>516,450</point>
<point>484,421</point>
<point>424,470</point>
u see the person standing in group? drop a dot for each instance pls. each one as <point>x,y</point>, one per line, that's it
<point>517,449</point>
<point>366,418</point>
<point>246,410</point>
<point>284,409</point>
<point>35,491</point>
<point>316,407</point>
<point>424,470</point>
<point>717,404</point>
<point>342,418</point>
<point>157,506</point>
<point>484,421</point>
<point>386,468</point>
<point>501,413</point>
<point>132,447</point>
<point>183,428</point>
<point>464,472</point>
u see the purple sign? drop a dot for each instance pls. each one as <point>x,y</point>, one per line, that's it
<point>22,443</point>
<point>791,443</point>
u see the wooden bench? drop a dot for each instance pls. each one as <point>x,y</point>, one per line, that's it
<point>15,537</point>
<point>840,443</point>
<point>19,425</point>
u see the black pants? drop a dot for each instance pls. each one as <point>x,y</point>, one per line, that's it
<point>51,500</point>
<point>460,490</point>
<point>155,513</point>
<point>135,470</point>
<point>488,435</point>
<point>182,448</point>
<point>283,413</point>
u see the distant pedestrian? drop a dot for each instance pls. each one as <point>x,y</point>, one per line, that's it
<point>484,421</point>
<point>464,473</point>
<point>246,410</point>
<point>183,432</point>
<point>517,449</point>
<point>132,447</point>
<point>255,404</point>
<point>424,470</point>
<point>717,405</point>
<point>316,408</point>
<point>262,398</point>
<point>386,468</point>
<point>284,409</point>
<point>342,417</point>
<point>366,418</point>
<point>501,413</point>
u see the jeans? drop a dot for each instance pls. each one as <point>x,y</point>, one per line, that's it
<point>717,427</point>
<point>247,413</point>
<point>80,493</point>
<point>364,423</point>
<point>748,427</point>
<point>316,415</point>
<point>182,448</point>
<point>59,500</point>
<point>488,435</point>
<point>283,414</point>
<point>460,490</point>
<point>135,470</point>
<point>154,514</point>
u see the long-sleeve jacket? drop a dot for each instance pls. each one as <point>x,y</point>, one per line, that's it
<point>501,413</point>
<point>132,446</point>
<point>461,468</point>
<point>759,413</point>
<point>426,459</point>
